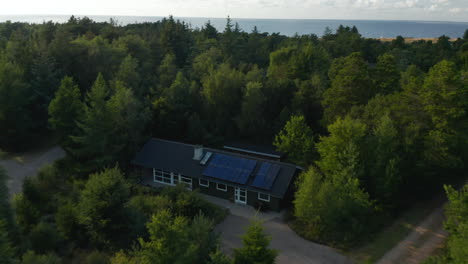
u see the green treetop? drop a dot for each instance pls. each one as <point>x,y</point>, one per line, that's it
<point>255,247</point>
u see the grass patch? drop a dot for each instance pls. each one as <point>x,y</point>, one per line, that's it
<point>391,235</point>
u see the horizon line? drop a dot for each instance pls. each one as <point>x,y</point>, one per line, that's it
<point>272,18</point>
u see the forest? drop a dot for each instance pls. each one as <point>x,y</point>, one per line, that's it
<point>375,125</point>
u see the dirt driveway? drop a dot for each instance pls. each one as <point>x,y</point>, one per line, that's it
<point>426,238</point>
<point>292,248</point>
<point>21,166</point>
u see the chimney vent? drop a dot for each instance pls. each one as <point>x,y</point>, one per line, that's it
<point>198,152</point>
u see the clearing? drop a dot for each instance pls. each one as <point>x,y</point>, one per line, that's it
<point>20,166</point>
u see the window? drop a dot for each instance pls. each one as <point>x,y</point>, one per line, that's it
<point>161,176</point>
<point>264,197</point>
<point>187,181</point>
<point>221,187</point>
<point>204,183</point>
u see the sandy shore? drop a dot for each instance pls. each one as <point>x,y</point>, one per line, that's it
<point>410,40</point>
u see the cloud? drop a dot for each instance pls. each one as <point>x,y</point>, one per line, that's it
<point>457,10</point>
<point>406,4</point>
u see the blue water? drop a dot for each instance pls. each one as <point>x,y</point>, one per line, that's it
<point>289,27</point>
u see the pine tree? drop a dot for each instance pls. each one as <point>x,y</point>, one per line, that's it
<point>95,126</point>
<point>255,247</point>
<point>65,110</point>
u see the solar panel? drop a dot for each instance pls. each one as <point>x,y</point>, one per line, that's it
<point>230,168</point>
<point>271,176</point>
<point>266,175</point>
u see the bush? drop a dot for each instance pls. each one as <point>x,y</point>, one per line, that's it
<point>32,258</point>
<point>190,204</point>
<point>26,214</point>
<point>44,238</point>
<point>97,257</point>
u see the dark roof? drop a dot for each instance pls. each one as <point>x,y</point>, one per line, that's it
<point>178,157</point>
<point>262,150</point>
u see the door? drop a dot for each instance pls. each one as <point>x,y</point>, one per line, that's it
<point>240,195</point>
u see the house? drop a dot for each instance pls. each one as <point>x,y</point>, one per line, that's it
<point>241,178</point>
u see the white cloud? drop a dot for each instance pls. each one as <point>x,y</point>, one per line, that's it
<point>457,10</point>
<point>406,4</point>
<point>440,1</point>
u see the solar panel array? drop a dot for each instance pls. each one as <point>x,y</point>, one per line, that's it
<point>230,168</point>
<point>266,176</point>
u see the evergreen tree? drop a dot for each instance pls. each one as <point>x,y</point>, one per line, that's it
<point>65,110</point>
<point>128,74</point>
<point>445,98</point>
<point>222,93</point>
<point>297,140</point>
<point>255,247</point>
<point>384,177</point>
<point>95,125</point>
<point>129,119</point>
<point>101,208</point>
<point>167,71</point>
<point>387,75</point>
<point>351,86</point>
<point>15,97</point>
<point>250,121</point>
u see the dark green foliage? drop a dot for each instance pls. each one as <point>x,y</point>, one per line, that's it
<point>445,99</point>
<point>6,250</point>
<point>330,203</point>
<point>255,246</point>
<point>94,126</point>
<point>457,224</point>
<point>218,258</point>
<point>173,239</point>
<point>32,258</point>
<point>128,74</point>
<point>68,225</point>
<point>26,214</point>
<point>97,257</point>
<point>222,92</point>
<point>190,204</point>
<point>387,74</point>
<point>44,238</point>
<point>384,177</point>
<point>44,82</point>
<point>6,214</point>
<point>64,111</point>
<point>396,110</point>
<point>297,140</point>
<point>7,226</point>
<point>167,71</point>
<point>251,119</point>
<point>111,127</point>
<point>333,208</point>
<point>351,86</point>
<point>15,95</point>
<point>101,207</point>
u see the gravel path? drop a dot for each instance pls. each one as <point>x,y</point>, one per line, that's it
<point>21,166</point>
<point>292,248</point>
<point>428,236</point>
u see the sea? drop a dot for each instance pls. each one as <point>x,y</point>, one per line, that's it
<point>288,27</point>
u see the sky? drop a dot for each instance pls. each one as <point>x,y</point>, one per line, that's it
<point>431,10</point>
